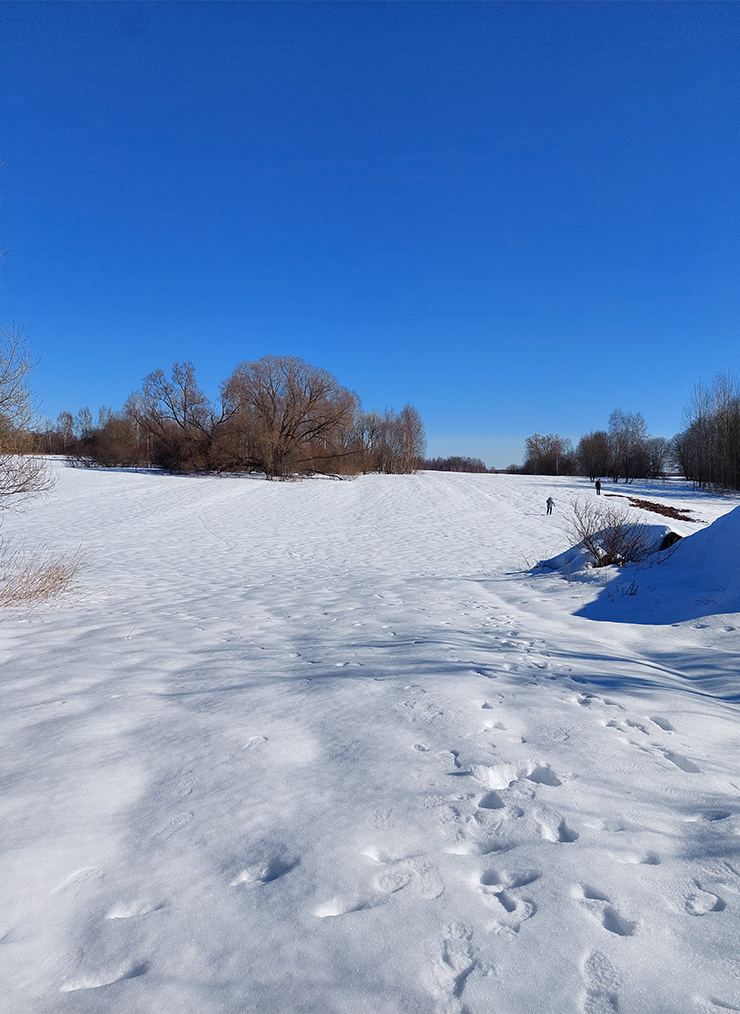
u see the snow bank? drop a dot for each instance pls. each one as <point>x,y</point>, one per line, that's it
<point>699,577</point>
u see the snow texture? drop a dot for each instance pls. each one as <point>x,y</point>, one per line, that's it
<point>332,747</point>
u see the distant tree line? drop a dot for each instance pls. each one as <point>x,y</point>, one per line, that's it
<point>623,451</point>
<point>277,415</point>
<point>455,464</point>
<point>707,452</point>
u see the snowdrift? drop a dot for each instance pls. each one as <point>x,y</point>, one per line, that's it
<point>579,558</point>
<point>698,578</point>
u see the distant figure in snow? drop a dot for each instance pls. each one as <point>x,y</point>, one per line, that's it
<point>598,487</point>
<point>550,504</point>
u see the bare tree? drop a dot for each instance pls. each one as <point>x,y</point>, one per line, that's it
<point>179,418</point>
<point>548,454</point>
<point>295,417</point>
<point>414,438</point>
<point>65,429</point>
<point>593,454</point>
<point>22,476</point>
<point>627,440</point>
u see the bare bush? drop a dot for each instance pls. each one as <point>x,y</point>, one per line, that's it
<point>22,476</point>
<point>35,575</point>
<point>608,534</point>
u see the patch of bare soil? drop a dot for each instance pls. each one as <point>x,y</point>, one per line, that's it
<point>677,513</point>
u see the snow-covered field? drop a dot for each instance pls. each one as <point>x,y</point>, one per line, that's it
<point>328,747</point>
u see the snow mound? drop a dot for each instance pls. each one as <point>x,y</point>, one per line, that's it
<point>579,558</point>
<point>699,577</point>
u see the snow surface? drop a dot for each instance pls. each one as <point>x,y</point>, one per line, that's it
<point>331,747</point>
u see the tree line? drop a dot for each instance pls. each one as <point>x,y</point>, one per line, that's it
<point>623,451</point>
<point>277,415</point>
<point>706,452</point>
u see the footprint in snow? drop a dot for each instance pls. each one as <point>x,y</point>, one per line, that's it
<point>178,822</point>
<point>662,723</point>
<point>254,741</point>
<point>343,906</point>
<point>600,907</point>
<point>76,881</point>
<point>510,912</point>
<point>97,979</point>
<point>265,871</point>
<point>542,774</point>
<point>403,870</point>
<point>601,981</point>
<point>681,762</point>
<point>457,961</point>
<point>491,801</point>
<point>554,828</point>
<point>636,858</point>
<point>495,882</point>
<point>702,902</point>
<point>134,909</point>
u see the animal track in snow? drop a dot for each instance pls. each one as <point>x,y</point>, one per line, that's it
<point>95,981</point>
<point>702,902</point>
<point>600,907</point>
<point>602,985</point>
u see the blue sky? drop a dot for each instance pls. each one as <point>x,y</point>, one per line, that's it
<point>515,216</point>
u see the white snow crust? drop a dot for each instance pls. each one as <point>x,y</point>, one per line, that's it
<point>328,747</point>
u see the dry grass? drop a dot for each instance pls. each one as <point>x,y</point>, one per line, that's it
<point>35,575</point>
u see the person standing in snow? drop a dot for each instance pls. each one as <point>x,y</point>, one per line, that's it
<point>598,487</point>
<point>550,504</point>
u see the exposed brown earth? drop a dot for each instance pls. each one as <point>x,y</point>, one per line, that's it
<point>677,513</point>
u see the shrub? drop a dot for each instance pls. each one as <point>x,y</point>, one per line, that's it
<point>608,534</point>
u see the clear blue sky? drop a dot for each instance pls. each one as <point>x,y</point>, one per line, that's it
<point>515,216</point>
